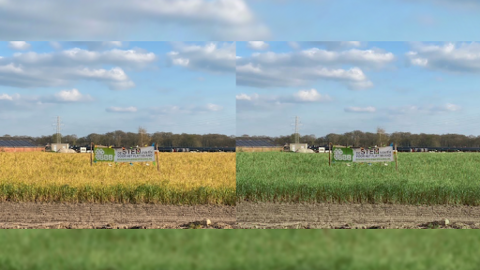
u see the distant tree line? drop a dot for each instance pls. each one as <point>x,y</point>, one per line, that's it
<point>142,138</point>
<point>359,138</point>
<point>354,138</point>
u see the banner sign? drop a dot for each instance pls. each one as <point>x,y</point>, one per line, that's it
<point>342,154</point>
<point>140,154</point>
<point>377,154</point>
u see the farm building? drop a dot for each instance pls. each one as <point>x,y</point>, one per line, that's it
<point>293,147</point>
<point>58,146</point>
<point>257,145</point>
<point>14,144</point>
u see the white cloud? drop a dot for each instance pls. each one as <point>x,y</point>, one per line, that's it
<point>245,102</point>
<point>116,56</point>
<point>5,97</point>
<point>180,62</point>
<point>258,45</point>
<point>122,109</point>
<point>255,76</point>
<point>366,58</point>
<point>10,68</point>
<point>19,45</point>
<point>81,56</point>
<point>368,109</point>
<point>112,19</point>
<point>248,68</point>
<point>247,97</point>
<point>272,69</point>
<point>371,57</point>
<point>255,101</point>
<point>212,57</point>
<point>310,96</point>
<point>71,96</point>
<point>115,77</point>
<point>214,107</point>
<point>60,68</point>
<point>32,102</point>
<point>16,102</point>
<point>18,76</point>
<point>452,57</point>
<point>450,107</point>
<point>244,97</point>
<point>355,76</point>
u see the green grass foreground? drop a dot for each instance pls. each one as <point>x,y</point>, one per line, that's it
<point>145,193</point>
<point>422,178</point>
<point>238,249</point>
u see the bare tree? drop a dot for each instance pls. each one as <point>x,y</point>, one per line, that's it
<point>381,137</point>
<point>142,136</point>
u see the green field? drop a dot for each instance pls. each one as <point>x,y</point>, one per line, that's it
<point>422,178</point>
<point>239,249</point>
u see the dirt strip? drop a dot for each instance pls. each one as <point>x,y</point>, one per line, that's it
<point>114,216</point>
<point>355,216</point>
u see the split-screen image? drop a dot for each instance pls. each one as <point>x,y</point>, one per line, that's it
<point>239,134</point>
<point>245,135</point>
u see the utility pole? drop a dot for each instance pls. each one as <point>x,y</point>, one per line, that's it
<point>58,127</point>
<point>297,139</point>
<point>59,137</point>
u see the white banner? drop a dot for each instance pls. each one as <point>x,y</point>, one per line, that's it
<point>378,154</point>
<point>140,154</point>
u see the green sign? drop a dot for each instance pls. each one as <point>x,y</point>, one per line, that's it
<point>342,154</point>
<point>104,154</point>
<point>375,154</point>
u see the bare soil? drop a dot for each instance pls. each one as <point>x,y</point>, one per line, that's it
<point>356,216</point>
<point>114,216</point>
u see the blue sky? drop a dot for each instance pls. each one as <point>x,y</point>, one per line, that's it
<point>337,87</point>
<point>302,20</point>
<point>97,87</point>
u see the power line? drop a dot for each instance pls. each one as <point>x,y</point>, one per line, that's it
<point>297,139</point>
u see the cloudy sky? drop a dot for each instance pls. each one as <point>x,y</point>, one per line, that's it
<point>179,20</point>
<point>97,87</point>
<point>337,87</point>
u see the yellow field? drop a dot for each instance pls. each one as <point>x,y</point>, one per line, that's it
<point>184,178</point>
